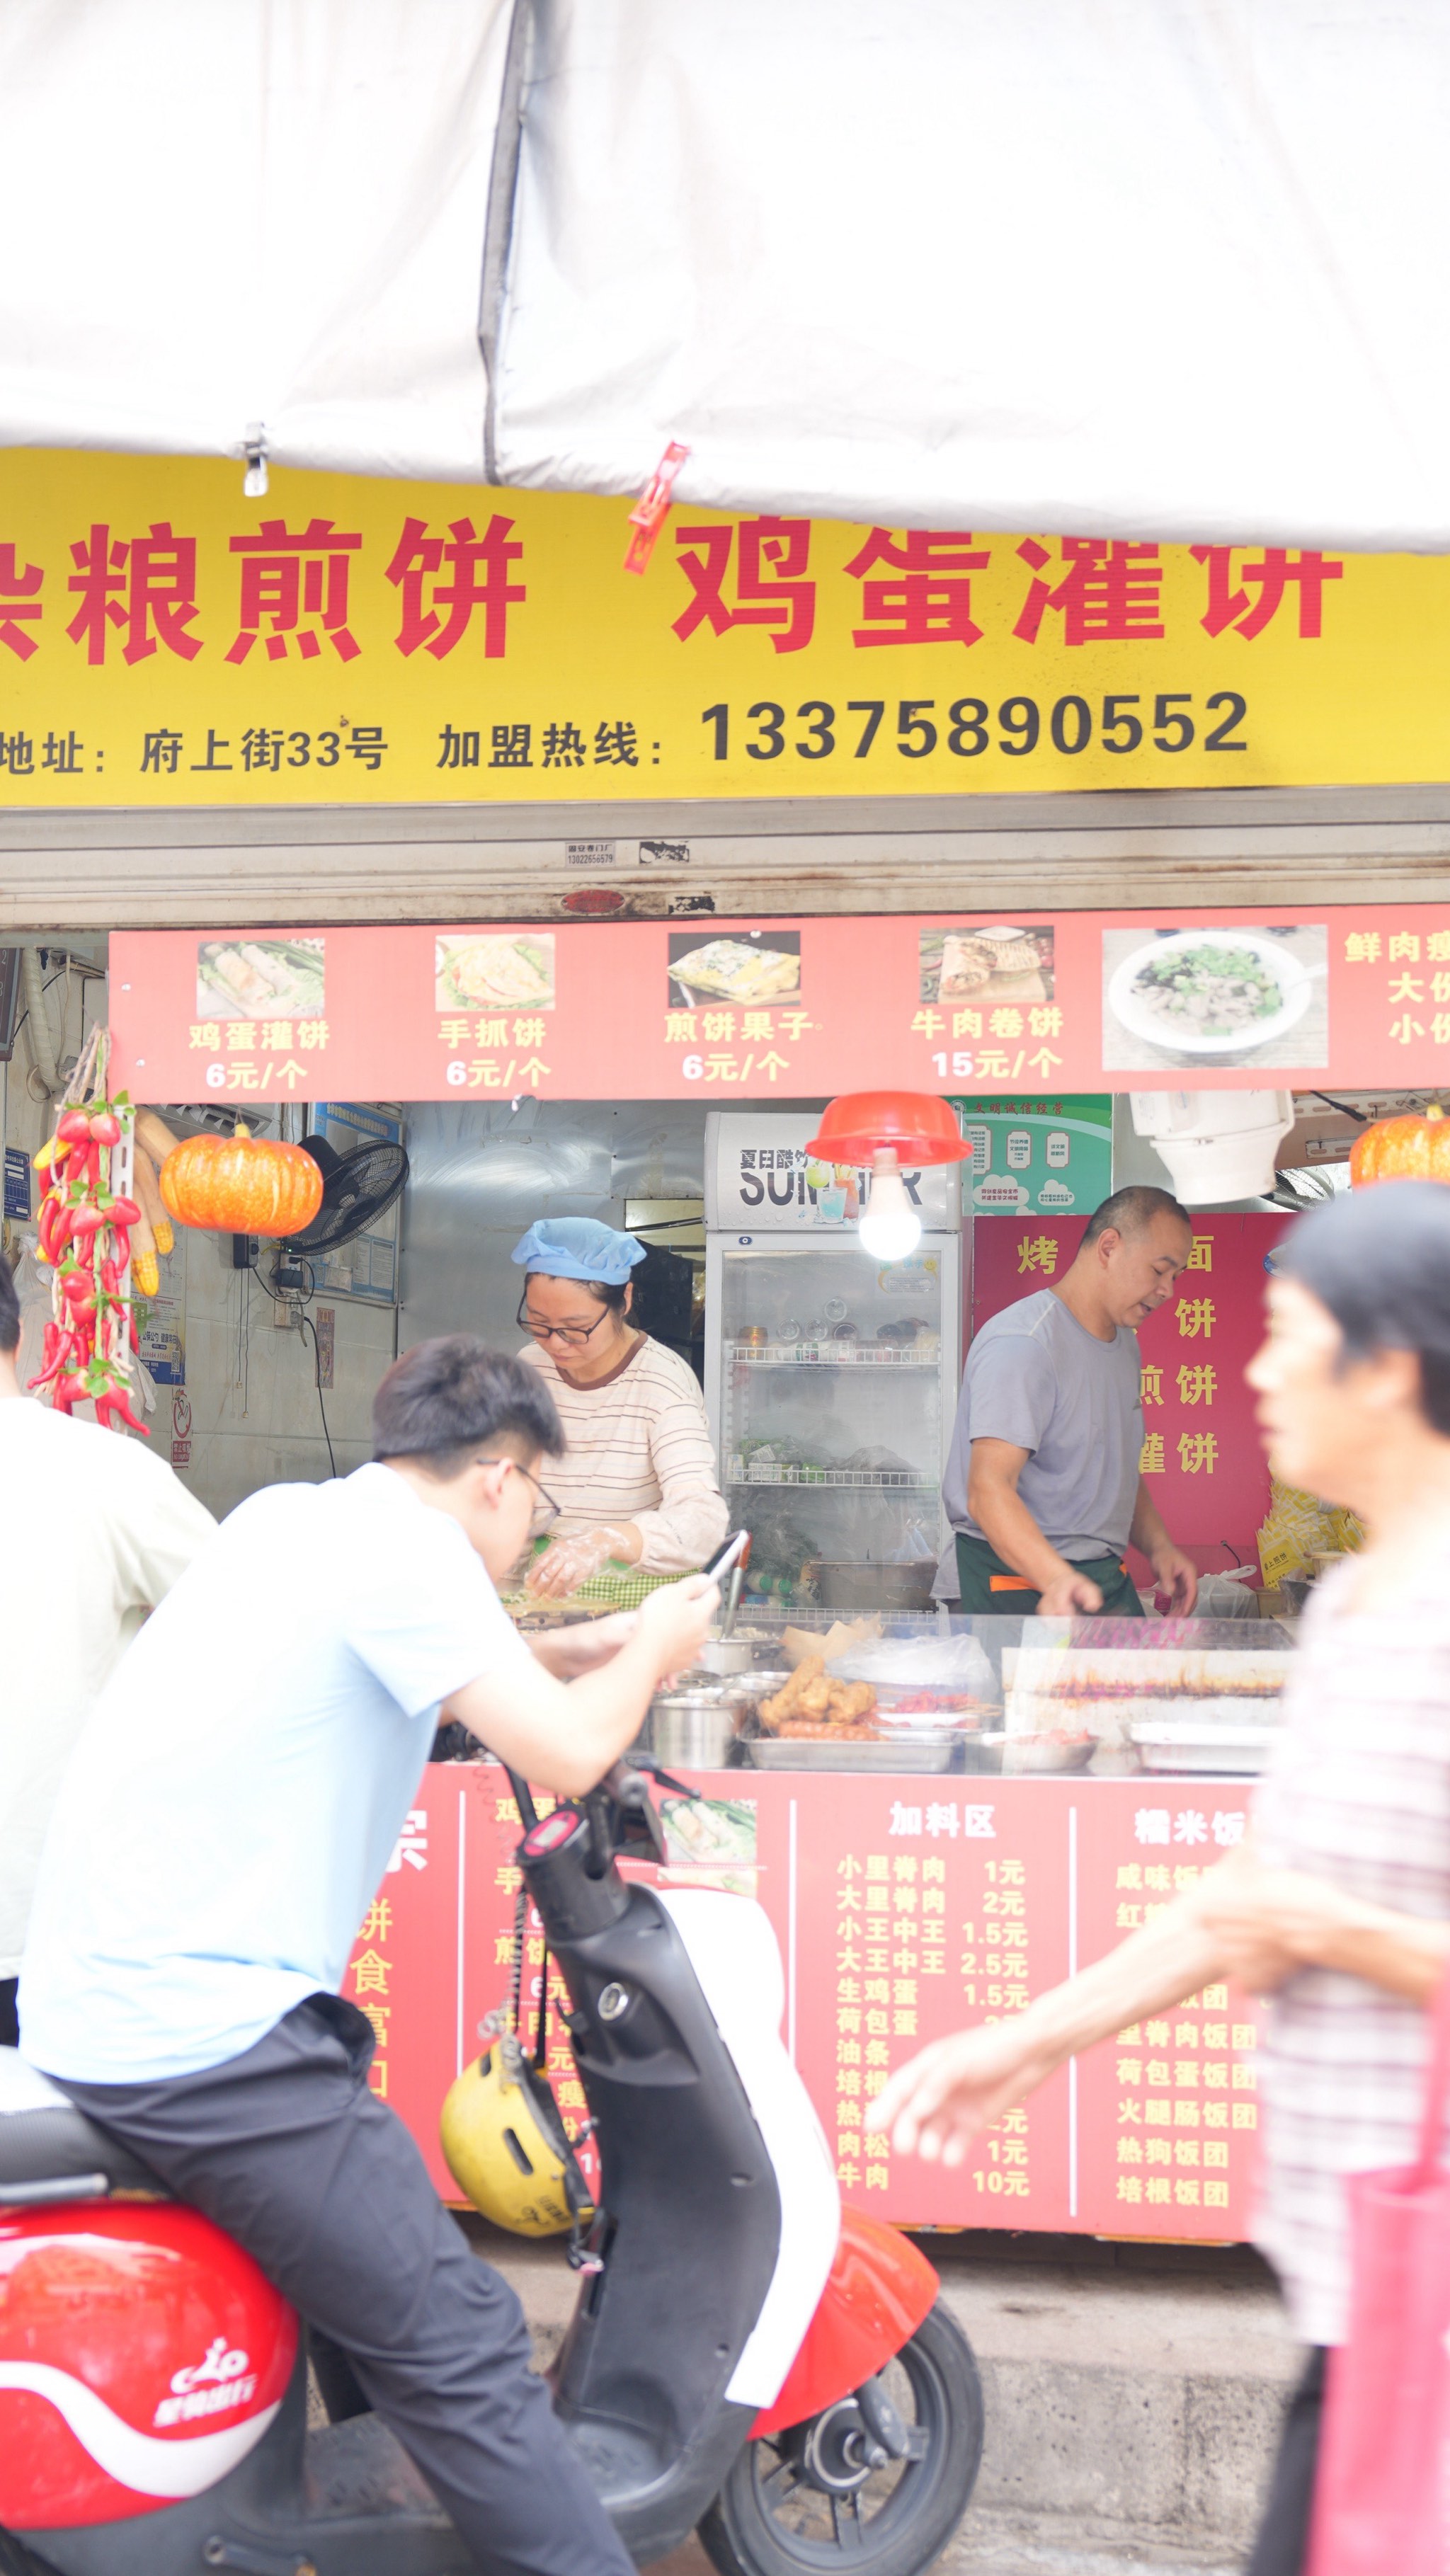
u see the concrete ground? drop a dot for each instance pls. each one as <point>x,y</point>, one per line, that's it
<point>1133,2397</point>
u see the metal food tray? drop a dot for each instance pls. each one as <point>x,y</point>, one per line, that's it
<point>1186,1747</point>
<point>863,1480</point>
<point>822,1352</point>
<point>926,1753</point>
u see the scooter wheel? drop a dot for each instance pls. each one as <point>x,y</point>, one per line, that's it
<point>807,2499</point>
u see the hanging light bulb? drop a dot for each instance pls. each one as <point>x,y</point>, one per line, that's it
<point>890,1228</point>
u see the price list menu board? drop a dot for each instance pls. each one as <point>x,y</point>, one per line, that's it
<point>1168,2113</point>
<point>906,1909</point>
<point>943,1909</point>
<point>748,1011</point>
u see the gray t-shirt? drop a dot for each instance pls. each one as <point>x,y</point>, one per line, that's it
<point>1037,1377</point>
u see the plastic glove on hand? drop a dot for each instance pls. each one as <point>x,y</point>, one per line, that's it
<point>570,1562</point>
<point>677,1619</point>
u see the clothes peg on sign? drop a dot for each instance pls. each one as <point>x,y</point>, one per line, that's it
<point>653,507</point>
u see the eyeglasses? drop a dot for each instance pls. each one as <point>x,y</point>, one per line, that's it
<point>573,1335</point>
<point>547,1504</point>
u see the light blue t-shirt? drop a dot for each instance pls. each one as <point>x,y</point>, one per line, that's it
<point>238,1790</point>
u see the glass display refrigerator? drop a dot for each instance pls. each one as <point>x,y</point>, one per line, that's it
<point>830,1376</point>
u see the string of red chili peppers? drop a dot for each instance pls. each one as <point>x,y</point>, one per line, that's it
<point>85,1234</point>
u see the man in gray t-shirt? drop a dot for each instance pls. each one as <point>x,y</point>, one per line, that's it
<point>1042,1486</point>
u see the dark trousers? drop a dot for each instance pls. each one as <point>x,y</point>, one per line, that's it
<point>1282,2546</point>
<point>9,2017</point>
<point>288,2150</point>
<point>989,1586</point>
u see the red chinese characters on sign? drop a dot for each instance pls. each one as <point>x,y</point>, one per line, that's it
<point>289,578</point>
<point>19,602</point>
<point>443,581</point>
<point>771,589</point>
<point>456,582</point>
<point>1269,578</point>
<point>1107,594</point>
<point>931,600</point>
<point>146,585</point>
<point>917,586</point>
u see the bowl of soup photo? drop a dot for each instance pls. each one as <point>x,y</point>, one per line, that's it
<point>1210,992</point>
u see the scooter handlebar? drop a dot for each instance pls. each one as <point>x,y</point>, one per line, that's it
<point>628,1782</point>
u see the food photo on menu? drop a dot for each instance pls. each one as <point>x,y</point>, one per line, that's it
<point>506,971</point>
<point>750,966</point>
<point>1190,998</point>
<point>249,979</point>
<point>987,963</point>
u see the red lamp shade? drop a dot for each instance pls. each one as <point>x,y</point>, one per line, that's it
<point>916,1124</point>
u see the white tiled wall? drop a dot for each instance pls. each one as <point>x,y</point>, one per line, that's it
<point>254,1405</point>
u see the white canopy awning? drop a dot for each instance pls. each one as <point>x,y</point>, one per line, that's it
<point>220,212</point>
<point>1159,268</point>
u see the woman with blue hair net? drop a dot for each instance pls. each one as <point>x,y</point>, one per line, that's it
<point>637,1485</point>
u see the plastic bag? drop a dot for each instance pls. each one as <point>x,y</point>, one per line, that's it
<point>1227,1596</point>
<point>920,1663</point>
<point>1381,2502</point>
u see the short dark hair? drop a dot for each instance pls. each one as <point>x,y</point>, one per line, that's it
<point>1132,1210</point>
<point>444,1398</point>
<point>9,1308</point>
<point>1379,1260</point>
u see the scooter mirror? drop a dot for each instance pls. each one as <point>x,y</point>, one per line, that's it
<point>634,1824</point>
<point>635,1769</point>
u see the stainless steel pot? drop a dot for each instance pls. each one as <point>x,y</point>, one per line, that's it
<point>727,1655</point>
<point>692,1726</point>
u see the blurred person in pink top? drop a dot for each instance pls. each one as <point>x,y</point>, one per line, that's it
<point>1337,1905</point>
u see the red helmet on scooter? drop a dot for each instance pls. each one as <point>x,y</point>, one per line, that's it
<point>142,2354</point>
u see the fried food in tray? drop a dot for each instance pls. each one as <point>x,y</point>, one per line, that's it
<point>819,1730</point>
<point>814,1706</point>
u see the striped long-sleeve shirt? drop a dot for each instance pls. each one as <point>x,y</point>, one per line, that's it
<point>1358,1793</point>
<point>639,1450</point>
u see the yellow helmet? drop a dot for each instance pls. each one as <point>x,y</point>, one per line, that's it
<point>506,2145</point>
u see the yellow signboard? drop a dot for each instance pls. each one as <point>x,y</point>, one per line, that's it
<point>164,641</point>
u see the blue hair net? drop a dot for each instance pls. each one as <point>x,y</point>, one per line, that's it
<point>579,1247</point>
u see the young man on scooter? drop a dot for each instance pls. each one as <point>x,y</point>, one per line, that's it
<point>224,1824</point>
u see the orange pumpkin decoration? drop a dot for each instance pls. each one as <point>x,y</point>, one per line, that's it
<point>1403,1149</point>
<point>241,1184</point>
